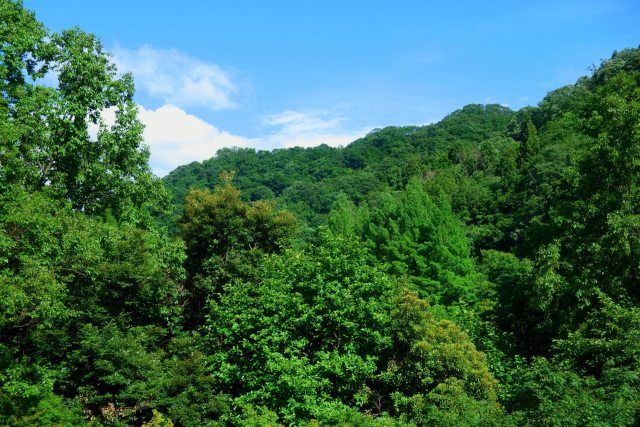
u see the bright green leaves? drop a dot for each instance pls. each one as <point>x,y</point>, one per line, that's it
<point>413,236</point>
<point>316,331</point>
<point>306,325</point>
<point>46,142</point>
<point>86,77</point>
<point>20,37</point>
<point>26,394</point>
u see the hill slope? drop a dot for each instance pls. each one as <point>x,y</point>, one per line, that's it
<point>307,180</point>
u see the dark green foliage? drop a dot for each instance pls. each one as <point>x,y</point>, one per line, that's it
<point>70,265</point>
<point>547,394</point>
<point>215,223</point>
<point>71,287</point>
<point>116,372</point>
<point>413,236</point>
<point>606,217</point>
<point>513,233</point>
<point>226,237</point>
<point>189,392</point>
<point>307,181</point>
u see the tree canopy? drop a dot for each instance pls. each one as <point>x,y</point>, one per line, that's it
<point>54,137</point>
<point>480,271</point>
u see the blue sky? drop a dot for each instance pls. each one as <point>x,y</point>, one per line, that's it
<point>271,74</point>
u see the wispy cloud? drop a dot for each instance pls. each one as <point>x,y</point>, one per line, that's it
<point>177,78</point>
<point>308,129</point>
<point>176,137</point>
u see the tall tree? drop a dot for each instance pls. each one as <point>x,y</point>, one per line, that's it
<point>225,236</point>
<point>54,137</point>
<point>415,236</point>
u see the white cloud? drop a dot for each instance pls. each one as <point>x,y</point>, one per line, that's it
<point>308,129</point>
<point>296,121</point>
<point>177,78</point>
<point>177,138</point>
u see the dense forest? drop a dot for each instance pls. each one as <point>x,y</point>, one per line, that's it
<point>483,270</point>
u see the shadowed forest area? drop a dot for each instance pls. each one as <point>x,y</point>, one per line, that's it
<point>483,270</point>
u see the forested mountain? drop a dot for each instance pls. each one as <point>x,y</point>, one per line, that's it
<point>483,270</point>
<point>307,180</point>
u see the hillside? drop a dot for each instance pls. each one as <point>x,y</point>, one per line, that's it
<point>307,180</point>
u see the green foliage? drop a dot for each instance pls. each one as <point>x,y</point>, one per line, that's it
<point>45,142</point>
<point>27,397</point>
<point>548,393</point>
<point>189,393</point>
<point>606,216</point>
<point>413,236</point>
<point>65,277</point>
<point>605,350</point>
<point>436,374</point>
<point>225,237</point>
<point>304,332</point>
<point>307,181</point>
<point>158,420</point>
<point>215,223</point>
<point>116,372</point>
<point>450,405</point>
<point>61,264</point>
<point>377,315</point>
<point>313,331</point>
